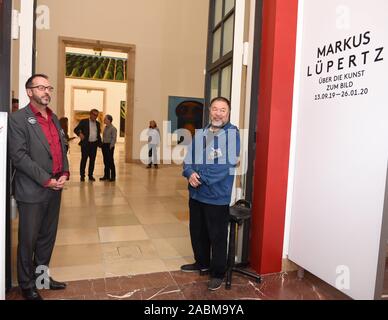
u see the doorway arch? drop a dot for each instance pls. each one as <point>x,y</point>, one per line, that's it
<point>130,50</point>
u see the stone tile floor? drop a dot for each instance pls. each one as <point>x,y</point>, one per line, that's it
<point>191,286</point>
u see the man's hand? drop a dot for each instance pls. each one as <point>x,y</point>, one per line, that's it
<point>53,184</point>
<point>82,137</point>
<point>61,182</point>
<point>194,180</point>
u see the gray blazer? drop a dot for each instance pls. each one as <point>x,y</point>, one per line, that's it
<point>31,156</point>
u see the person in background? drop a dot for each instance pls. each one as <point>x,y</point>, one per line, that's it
<point>108,149</point>
<point>15,105</point>
<point>65,127</point>
<point>89,131</point>
<point>209,167</point>
<point>153,144</point>
<point>37,150</point>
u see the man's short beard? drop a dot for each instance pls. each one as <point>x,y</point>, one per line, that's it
<point>40,101</point>
<point>216,126</point>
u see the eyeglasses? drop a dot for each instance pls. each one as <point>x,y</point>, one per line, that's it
<point>95,114</point>
<point>42,88</point>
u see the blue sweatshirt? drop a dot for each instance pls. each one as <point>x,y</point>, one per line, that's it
<point>214,157</point>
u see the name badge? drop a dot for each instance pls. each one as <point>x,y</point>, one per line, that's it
<point>215,154</point>
<point>32,121</point>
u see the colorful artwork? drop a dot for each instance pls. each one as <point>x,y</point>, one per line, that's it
<point>89,67</point>
<point>123,115</point>
<point>186,113</point>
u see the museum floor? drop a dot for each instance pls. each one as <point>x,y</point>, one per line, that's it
<point>138,224</point>
<point>127,240</point>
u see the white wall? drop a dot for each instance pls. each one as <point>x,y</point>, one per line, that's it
<point>26,20</point>
<point>3,173</point>
<point>86,99</point>
<point>340,146</point>
<point>115,92</point>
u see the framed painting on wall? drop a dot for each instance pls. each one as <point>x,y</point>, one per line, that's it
<point>88,67</point>
<point>185,113</point>
<point>123,115</point>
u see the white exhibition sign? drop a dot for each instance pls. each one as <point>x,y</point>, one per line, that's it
<point>3,175</point>
<point>340,148</point>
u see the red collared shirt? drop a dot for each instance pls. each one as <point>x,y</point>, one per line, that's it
<point>52,135</point>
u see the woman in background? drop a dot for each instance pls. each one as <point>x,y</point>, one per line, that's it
<point>64,122</point>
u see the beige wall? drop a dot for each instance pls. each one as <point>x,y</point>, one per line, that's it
<point>170,38</point>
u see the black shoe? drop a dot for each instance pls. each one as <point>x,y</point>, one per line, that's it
<point>112,180</point>
<point>149,166</point>
<point>215,284</point>
<point>31,294</point>
<point>104,179</point>
<point>92,179</point>
<point>82,179</point>
<point>56,285</point>
<point>193,268</point>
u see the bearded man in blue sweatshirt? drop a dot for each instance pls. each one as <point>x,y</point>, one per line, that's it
<point>209,167</point>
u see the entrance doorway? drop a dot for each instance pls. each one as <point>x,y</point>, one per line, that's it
<point>122,53</point>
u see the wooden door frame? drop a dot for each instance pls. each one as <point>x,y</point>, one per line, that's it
<point>107,46</point>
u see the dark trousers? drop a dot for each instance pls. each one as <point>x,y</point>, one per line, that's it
<point>209,233</point>
<point>88,150</point>
<point>152,154</point>
<point>38,224</point>
<point>109,163</point>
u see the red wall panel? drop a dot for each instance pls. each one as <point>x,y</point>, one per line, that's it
<point>273,134</point>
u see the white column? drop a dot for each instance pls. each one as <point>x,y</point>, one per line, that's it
<point>26,20</point>
<point>238,53</point>
<point>3,173</point>
<point>248,92</point>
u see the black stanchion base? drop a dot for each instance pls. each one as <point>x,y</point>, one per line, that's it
<point>253,275</point>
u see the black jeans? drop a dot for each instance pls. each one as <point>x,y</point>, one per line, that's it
<point>38,224</point>
<point>209,233</point>
<point>109,162</point>
<point>152,154</point>
<point>88,150</point>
